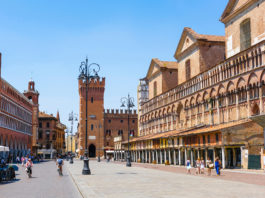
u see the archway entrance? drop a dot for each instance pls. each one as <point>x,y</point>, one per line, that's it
<point>92,150</point>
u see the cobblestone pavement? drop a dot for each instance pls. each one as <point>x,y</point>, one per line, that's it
<point>115,180</point>
<point>45,183</point>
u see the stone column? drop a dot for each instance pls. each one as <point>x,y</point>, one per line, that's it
<point>248,102</point>
<point>226,108</point>
<point>218,110</point>
<point>203,111</point>
<point>165,155</point>
<point>179,157</point>
<point>185,157</point>
<point>206,156</point>
<point>234,157</point>
<point>191,157</point>
<point>237,105</point>
<point>223,157</point>
<point>169,156</point>
<point>175,157</point>
<point>161,157</point>
<point>157,157</point>
<point>153,156</point>
<point>261,108</point>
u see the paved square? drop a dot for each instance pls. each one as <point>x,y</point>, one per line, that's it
<point>116,180</point>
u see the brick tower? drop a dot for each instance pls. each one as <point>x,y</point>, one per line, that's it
<point>95,116</point>
<point>33,95</point>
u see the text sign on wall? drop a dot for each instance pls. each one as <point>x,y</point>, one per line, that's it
<point>92,137</point>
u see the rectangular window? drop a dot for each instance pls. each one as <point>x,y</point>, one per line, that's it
<point>209,139</point>
<point>203,139</point>
<point>155,89</point>
<point>48,125</point>
<point>187,65</point>
<point>92,127</point>
<point>40,135</point>
<point>217,137</point>
<point>40,125</point>
<point>245,34</point>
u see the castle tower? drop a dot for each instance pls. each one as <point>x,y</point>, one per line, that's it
<point>33,95</point>
<point>95,116</point>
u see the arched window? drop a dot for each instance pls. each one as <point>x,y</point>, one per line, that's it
<point>245,34</point>
<point>187,69</point>
<point>92,99</point>
<point>155,89</point>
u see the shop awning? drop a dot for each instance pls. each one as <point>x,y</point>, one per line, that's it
<point>4,148</point>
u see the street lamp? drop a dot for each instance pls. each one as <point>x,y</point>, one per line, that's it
<point>85,75</point>
<point>128,102</point>
<point>72,118</point>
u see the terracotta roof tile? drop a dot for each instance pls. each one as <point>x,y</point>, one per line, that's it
<point>206,37</point>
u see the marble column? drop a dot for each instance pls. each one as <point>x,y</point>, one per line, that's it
<point>179,156</point>
<point>223,157</point>
<point>175,157</point>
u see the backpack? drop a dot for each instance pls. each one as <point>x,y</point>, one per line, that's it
<point>60,161</point>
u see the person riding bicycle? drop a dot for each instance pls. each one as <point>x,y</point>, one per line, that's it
<point>59,163</point>
<point>29,165</point>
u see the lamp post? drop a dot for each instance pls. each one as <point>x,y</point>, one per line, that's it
<point>128,102</point>
<point>72,118</point>
<point>87,72</point>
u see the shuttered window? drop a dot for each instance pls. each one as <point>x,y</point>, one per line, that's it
<point>245,34</point>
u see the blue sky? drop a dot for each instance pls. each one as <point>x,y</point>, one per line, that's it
<point>47,39</point>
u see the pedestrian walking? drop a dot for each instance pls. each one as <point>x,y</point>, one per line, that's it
<point>202,167</point>
<point>188,167</point>
<point>210,166</point>
<point>198,166</point>
<point>217,166</point>
<point>22,160</point>
<point>17,160</point>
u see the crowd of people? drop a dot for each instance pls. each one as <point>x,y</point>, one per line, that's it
<point>200,166</point>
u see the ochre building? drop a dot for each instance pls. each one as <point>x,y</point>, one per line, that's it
<point>209,102</point>
<point>51,135</point>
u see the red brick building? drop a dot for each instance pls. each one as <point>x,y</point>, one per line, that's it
<point>102,126</point>
<point>17,119</point>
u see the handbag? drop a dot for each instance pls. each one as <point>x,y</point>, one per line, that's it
<point>210,165</point>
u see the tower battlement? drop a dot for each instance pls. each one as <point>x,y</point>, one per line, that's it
<point>120,112</point>
<point>93,82</point>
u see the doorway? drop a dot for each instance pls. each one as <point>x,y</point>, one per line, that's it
<point>92,150</point>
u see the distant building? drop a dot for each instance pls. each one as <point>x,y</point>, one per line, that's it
<point>70,142</point>
<point>51,135</point>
